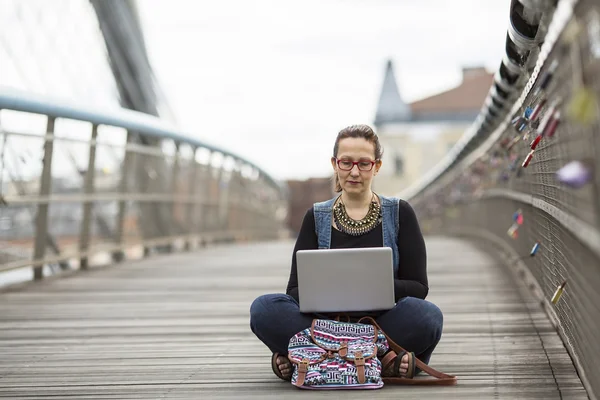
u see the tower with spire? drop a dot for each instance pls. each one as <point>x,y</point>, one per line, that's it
<point>391,108</point>
<point>416,136</point>
<point>391,116</point>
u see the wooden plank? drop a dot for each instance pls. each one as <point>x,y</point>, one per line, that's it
<point>178,327</point>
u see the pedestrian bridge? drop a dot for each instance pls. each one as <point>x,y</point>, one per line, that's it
<point>130,252</point>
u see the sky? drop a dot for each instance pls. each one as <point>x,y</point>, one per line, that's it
<point>275,80</point>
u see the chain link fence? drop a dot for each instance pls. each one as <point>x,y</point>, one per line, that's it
<point>525,181</point>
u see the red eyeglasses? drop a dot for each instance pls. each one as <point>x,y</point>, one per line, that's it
<point>347,165</point>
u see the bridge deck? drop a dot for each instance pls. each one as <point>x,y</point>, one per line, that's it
<point>177,327</point>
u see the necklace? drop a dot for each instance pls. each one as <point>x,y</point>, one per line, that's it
<point>344,223</point>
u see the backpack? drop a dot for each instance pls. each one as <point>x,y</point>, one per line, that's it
<point>332,355</point>
<point>344,355</point>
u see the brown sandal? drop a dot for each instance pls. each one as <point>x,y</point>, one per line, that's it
<point>393,359</point>
<point>390,364</point>
<point>276,369</point>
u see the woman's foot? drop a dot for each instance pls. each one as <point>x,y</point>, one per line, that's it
<point>403,369</point>
<point>403,365</point>
<point>282,367</point>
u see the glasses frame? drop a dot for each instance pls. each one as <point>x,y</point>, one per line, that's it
<point>337,162</point>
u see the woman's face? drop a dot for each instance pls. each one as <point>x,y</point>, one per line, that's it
<point>355,178</point>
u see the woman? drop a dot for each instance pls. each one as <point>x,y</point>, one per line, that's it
<point>414,323</point>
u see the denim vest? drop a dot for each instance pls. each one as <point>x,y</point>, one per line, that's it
<point>390,225</point>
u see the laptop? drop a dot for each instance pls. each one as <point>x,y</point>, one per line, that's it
<point>345,280</point>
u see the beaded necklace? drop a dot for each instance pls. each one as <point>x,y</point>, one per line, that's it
<point>353,227</point>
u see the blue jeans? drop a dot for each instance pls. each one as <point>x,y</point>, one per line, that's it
<point>414,324</point>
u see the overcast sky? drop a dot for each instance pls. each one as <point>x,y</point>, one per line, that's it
<point>275,80</point>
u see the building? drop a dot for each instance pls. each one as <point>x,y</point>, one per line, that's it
<point>416,136</point>
<point>303,194</point>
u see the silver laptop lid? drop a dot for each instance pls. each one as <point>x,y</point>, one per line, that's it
<point>345,280</point>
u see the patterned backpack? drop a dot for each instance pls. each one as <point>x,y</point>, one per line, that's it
<point>345,355</point>
<point>332,354</point>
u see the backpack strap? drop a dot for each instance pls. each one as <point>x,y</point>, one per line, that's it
<point>441,378</point>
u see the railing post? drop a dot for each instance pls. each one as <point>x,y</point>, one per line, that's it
<point>88,188</point>
<point>210,209</point>
<point>224,185</point>
<point>217,200</point>
<point>202,205</point>
<point>173,228</point>
<point>235,213</point>
<point>189,216</point>
<point>119,255</point>
<point>41,221</point>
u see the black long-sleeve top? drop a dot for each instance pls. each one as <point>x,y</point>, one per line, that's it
<point>411,276</point>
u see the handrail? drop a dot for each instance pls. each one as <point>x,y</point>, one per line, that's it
<point>18,100</point>
<point>154,199</point>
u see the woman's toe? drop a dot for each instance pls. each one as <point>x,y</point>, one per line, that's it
<point>284,366</point>
<point>404,365</point>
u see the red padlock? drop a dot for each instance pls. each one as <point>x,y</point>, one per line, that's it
<point>535,142</point>
<point>536,111</point>
<point>545,121</point>
<point>528,159</point>
<point>553,124</point>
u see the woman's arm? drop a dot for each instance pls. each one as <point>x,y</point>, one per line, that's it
<point>412,269</point>
<point>307,240</point>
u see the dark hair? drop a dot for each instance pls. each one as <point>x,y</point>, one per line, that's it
<point>356,131</point>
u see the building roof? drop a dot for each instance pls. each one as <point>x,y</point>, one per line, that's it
<point>391,107</point>
<point>461,103</point>
<point>468,96</point>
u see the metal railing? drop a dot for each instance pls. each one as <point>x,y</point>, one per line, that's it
<point>96,185</point>
<point>525,179</point>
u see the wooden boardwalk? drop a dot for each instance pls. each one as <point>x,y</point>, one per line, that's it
<point>178,327</point>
